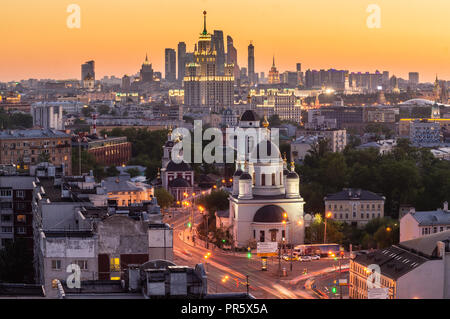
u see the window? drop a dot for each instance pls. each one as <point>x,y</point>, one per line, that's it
<point>283,235</point>
<point>6,218</point>
<point>20,194</point>
<point>263,179</point>
<point>20,206</point>
<point>21,230</point>
<point>6,229</point>
<point>354,214</point>
<point>273,179</point>
<point>21,218</point>
<point>254,234</point>
<point>261,236</point>
<point>114,264</point>
<point>56,264</point>
<point>5,193</point>
<point>82,264</point>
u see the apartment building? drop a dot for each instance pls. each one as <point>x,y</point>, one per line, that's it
<point>355,206</point>
<point>414,269</point>
<point>26,147</point>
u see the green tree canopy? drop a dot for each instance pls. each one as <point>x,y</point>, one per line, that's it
<point>165,199</point>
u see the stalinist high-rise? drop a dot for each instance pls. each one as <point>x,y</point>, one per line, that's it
<point>203,87</point>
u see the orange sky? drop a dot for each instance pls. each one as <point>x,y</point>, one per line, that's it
<point>36,43</point>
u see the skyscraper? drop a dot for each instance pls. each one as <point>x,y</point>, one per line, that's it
<point>146,72</point>
<point>274,76</point>
<point>202,86</point>
<point>413,79</point>
<point>232,57</point>
<point>219,47</point>
<point>170,63</point>
<point>299,74</point>
<point>181,60</point>
<point>88,74</point>
<point>251,64</point>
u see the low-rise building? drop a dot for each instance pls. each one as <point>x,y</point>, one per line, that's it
<point>383,146</point>
<point>355,206</point>
<point>416,224</point>
<point>301,147</point>
<point>414,269</point>
<point>125,192</point>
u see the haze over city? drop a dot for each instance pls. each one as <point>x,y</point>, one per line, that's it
<point>321,34</point>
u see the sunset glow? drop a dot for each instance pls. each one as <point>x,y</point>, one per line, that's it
<point>36,43</point>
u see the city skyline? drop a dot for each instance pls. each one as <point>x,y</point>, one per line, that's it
<point>119,37</point>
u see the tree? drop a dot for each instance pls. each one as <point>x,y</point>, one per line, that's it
<point>112,171</point>
<point>87,110</point>
<point>44,157</point>
<point>216,201</point>
<point>103,109</point>
<point>133,172</point>
<point>165,199</point>
<point>274,120</point>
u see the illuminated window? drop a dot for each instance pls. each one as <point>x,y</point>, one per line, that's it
<point>21,218</point>
<point>115,264</point>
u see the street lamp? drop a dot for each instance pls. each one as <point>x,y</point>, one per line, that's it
<point>327,215</point>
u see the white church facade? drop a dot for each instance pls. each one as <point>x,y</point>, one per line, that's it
<point>265,204</point>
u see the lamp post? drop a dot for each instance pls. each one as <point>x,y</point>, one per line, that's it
<point>327,215</point>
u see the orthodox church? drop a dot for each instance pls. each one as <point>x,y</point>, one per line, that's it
<point>177,178</point>
<point>265,204</point>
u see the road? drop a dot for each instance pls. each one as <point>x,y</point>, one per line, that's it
<point>262,284</point>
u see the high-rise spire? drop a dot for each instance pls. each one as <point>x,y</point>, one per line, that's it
<point>273,63</point>
<point>146,59</point>
<point>204,23</point>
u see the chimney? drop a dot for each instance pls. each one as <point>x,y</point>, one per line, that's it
<point>445,206</point>
<point>412,210</point>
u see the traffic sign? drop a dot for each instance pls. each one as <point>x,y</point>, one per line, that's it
<point>266,249</point>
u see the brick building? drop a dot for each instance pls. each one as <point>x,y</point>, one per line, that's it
<point>24,147</point>
<point>108,151</point>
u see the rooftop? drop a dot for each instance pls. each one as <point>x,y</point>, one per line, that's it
<point>17,182</point>
<point>31,134</point>
<point>431,218</point>
<point>352,194</point>
<point>394,261</point>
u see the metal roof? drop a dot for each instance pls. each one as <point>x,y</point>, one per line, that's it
<point>30,134</point>
<point>431,218</point>
<point>354,194</point>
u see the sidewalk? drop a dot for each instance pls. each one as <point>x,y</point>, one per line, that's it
<point>186,237</point>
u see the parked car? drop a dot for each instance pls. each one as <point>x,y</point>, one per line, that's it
<point>289,258</point>
<point>315,257</point>
<point>305,258</point>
